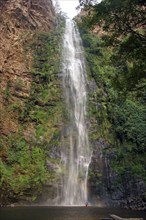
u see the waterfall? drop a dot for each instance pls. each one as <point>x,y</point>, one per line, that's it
<point>76,154</point>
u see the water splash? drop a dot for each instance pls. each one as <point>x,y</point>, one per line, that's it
<point>76,156</point>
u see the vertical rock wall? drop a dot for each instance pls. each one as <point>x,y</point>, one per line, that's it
<point>19,21</point>
<point>22,24</point>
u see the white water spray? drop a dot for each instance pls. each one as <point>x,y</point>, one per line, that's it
<point>76,156</point>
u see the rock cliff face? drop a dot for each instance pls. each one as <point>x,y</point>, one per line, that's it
<point>19,20</point>
<point>28,42</point>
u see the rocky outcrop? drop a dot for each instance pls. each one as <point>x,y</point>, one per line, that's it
<point>104,186</point>
<point>19,21</point>
<point>27,14</point>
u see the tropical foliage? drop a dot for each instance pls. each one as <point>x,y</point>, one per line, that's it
<point>114,38</point>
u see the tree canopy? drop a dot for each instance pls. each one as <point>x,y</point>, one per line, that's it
<point>124,25</point>
<point>118,16</point>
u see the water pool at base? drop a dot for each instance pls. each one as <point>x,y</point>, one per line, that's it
<point>66,213</point>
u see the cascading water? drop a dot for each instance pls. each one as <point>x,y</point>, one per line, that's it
<point>76,156</point>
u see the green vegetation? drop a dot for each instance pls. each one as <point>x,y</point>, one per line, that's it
<point>29,154</point>
<point>117,104</point>
<point>24,170</point>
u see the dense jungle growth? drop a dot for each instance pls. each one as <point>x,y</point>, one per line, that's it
<point>114,38</point>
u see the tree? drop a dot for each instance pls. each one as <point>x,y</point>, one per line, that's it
<point>118,16</point>
<point>124,24</point>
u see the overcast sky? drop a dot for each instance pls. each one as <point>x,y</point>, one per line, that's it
<point>69,7</point>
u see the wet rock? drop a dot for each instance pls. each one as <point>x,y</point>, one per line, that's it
<point>103,181</point>
<point>92,86</point>
<point>1,69</point>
